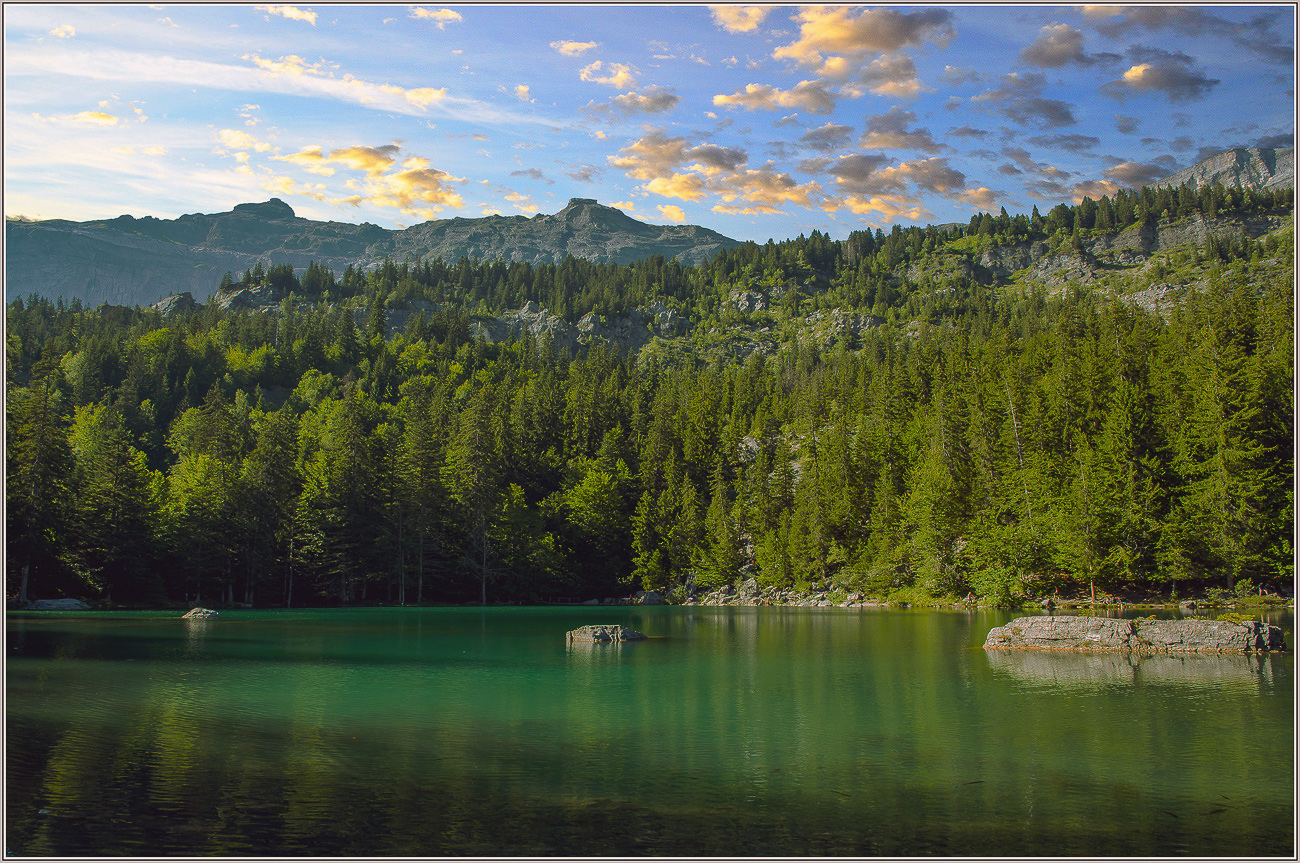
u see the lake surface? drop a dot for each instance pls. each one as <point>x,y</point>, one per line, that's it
<point>733,732</point>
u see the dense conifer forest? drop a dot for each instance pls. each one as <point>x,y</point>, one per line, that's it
<point>1001,439</point>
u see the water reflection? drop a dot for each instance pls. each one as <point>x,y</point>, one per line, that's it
<point>1063,668</point>
<point>754,732</point>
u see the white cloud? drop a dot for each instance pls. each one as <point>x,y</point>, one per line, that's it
<point>64,31</point>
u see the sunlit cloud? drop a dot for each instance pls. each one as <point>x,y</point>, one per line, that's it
<point>810,96</point>
<point>836,30</point>
<point>521,93</point>
<point>1171,76</point>
<point>441,17</point>
<point>64,31</point>
<point>291,64</point>
<point>237,139</point>
<point>573,49</point>
<point>88,118</point>
<point>291,12</point>
<point>889,131</point>
<point>617,75</point>
<point>672,212</point>
<point>739,19</point>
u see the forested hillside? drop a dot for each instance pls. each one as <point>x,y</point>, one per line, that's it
<point>986,435</point>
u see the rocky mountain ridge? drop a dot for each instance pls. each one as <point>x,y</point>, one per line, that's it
<point>129,261</point>
<point>1247,167</point>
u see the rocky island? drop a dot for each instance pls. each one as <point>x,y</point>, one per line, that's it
<point>1094,634</point>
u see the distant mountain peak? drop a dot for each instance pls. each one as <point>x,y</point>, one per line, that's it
<point>272,209</point>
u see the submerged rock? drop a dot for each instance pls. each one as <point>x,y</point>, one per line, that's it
<point>1135,636</point>
<point>200,614</point>
<point>605,632</point>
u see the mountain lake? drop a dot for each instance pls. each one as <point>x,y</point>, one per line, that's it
<point>728,732</point>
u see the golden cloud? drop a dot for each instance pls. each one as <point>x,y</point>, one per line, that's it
<point>573,49</point>
<point>94,118</point>
<point>739,19</point>
<point>291,12</point>
<point>441,17</point>
<point>892,207</point>
<point>810,96</point>
<point>407,189</point>
<point>64,31</point>
<point>522,93</point>
<point>310,159</point>
<point>764,187</point>
<point>836,30</point>
<point>672,212</point>
<point>982,198</point>
<point>688,187</point>
<point>619,75</point>
<point>289,65</point>
<point>237,139</point>
<point>653,155</point>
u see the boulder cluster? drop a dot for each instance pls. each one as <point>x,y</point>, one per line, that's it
<point>749,593</point>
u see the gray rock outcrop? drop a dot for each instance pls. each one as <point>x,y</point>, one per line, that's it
<point>57,605</point>
<point>1135,636</point>
<point>200,614</point>
<point>1247,167</point>
<point>649,597</point>
<point>604,632</point>
<point>182,302</point>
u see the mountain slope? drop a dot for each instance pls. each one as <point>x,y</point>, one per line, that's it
<point>1245,167</point>
<point>129,261</point>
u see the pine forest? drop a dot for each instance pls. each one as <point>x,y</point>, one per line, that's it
<point>983,436</point>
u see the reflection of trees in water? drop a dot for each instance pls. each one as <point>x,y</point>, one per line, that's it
<point>887,750</point>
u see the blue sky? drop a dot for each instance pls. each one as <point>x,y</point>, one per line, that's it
<point>760,122</point>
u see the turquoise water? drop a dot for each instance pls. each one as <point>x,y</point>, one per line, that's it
<point>731,731</point>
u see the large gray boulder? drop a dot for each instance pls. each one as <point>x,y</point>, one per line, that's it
<point>649,597</point>
<point>1135,636</point>
<point>605,632</point>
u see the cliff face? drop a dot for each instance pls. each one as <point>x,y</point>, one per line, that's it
<point>128,261</point>
<point>1246,167</point>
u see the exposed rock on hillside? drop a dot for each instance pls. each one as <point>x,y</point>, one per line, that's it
<point>177,303</point>
<point>1247,167</point>
<point>129,261</point>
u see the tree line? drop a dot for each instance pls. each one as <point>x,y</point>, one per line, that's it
<point>1000,441</point>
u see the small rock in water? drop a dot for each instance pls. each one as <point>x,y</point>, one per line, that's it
<point>607,632</point>
<point>200,614</point>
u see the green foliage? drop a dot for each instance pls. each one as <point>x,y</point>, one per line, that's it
<point>1001,441</point>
